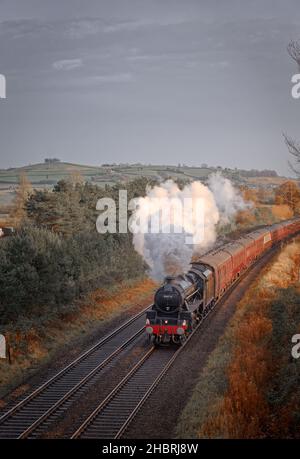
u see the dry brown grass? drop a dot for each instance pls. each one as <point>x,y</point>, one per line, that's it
<point>39,342</point>
<point>230,399</point>
<point>268,180</point>
<point>243,408</point>
<point>102,303</point>
<point>282,212</point>
<point>4,221</point>
<point>244,411</point>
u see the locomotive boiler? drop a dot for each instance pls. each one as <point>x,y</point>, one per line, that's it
<point>179,305</point>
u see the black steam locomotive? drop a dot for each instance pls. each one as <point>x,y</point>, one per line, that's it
<point>178,306</point>
<point>183,300</point>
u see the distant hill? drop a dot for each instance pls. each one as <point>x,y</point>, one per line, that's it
<point>48,174</point>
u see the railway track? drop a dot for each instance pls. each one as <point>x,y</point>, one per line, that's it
<point>115,413</point>
<point>38,410</point>
<point>110,419</point>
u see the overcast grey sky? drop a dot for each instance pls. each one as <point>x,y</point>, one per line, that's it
<point>153,81</point>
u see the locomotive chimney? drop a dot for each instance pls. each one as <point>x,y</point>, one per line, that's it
<point>169,279</point>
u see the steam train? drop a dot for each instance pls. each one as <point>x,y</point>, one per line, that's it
<point>182,301</point>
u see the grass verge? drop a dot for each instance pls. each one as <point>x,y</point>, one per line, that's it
<point>34,341</point>
<point>249,386</point>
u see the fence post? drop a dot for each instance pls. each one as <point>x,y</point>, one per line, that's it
<point>2,347</point>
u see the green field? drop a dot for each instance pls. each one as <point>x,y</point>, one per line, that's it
<point>46,175</point>
<point>49,174</point>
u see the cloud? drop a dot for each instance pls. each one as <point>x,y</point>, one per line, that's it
<point>84,27</point>
<point>119,26</point>
<point>67,64</point>
<point>123,25</point>
<point>221,64</point>
<point>91,82</point>
<point>112,78</point>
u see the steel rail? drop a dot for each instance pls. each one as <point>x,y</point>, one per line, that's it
<point>116,427</point>
<point>78,386</point>
<point>73,365</point>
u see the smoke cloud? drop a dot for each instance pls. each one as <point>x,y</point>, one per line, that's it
<point>227,198</point>
<point>177,223</point>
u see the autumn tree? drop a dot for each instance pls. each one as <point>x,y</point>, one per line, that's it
<point>265,196</point>
<point>76,178</point>
<point>288,193</point>
<point>249,194</point>
<point>245,218</point>
<point>23,192</point>
<point>283,212</point>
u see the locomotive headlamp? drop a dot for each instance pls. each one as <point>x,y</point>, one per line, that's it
<point>184,323</point>
<point>166,321</point>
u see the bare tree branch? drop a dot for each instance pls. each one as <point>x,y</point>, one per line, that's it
<point>294,149</point>
<point>294,51</point>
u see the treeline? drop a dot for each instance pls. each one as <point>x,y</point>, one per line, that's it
<point>52,160</point>
<point>57,254</point>
<point>258,173</point>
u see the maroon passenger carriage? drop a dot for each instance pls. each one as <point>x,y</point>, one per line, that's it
<point>182,301</point>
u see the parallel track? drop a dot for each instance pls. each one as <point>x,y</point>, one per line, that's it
<point>39,408</point>
<point>113,415</point>
<point>109,417</point>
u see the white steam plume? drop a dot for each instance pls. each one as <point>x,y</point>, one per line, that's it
<point>227,198</point>
<point>166,251</point>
